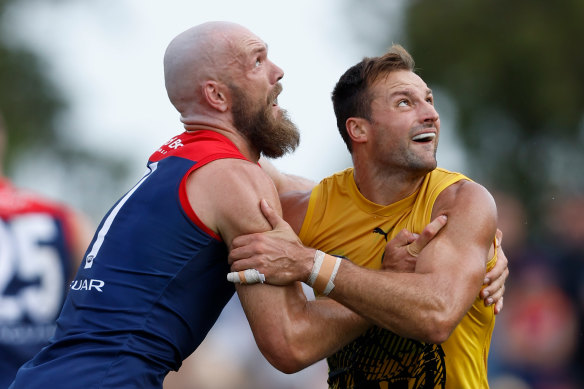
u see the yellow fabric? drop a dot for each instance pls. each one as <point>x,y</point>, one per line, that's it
<point>341,222</point>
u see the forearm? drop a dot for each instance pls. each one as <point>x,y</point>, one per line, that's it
<point>420,306</point>
<point>449,273</point>
<point>412,305</point>
<point>297,333</point>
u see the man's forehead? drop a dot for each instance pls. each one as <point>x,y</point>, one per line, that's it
<point>246,46</point>
<point>401,80</point>
<point>254,44</point>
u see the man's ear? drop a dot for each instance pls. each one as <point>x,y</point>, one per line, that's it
<point>357,128</point>
<point>217,95</point>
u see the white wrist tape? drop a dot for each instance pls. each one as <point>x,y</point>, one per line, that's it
<point>249,276</point>
<point>318,258</point>
<point>323,273</point>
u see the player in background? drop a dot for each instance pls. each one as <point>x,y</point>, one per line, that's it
<point>41,245</point>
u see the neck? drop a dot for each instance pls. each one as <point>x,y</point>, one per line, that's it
<point>385,186</point>
<point>230,133</point>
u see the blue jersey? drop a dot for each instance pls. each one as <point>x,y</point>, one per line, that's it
<point>35,265</point>
<point>151,286</point>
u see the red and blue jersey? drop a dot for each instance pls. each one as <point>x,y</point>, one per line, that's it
<point>151,285</point>
<point>35,265</point>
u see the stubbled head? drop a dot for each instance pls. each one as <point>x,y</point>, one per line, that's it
<point>352,95</point>
<point>219,74</point>
<point>198,54</point>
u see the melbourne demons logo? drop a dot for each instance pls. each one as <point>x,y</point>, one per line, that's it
<point>173,143</point>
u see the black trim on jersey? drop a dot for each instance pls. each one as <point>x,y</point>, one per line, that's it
<point>380,356</point>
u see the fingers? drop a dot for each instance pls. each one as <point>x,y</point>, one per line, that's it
<point>500,268</point>
<point>279,227</point>
<point>493,292</point>
<point>243,240</point>
<point>495,280</point>
<point>495,289</point>
<point>499,306</point>
<point>394,257</point>
<point>248,276</point>
<point>239,253</point>
<point>403,238</point>
<point>272,216</point>
<point>427,235</point>
<point>247,263</point>
<point>499,237</point>
<point>247,247</point>
<point>412,250</point>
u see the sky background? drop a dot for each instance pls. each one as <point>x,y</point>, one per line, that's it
<point>106,56</point>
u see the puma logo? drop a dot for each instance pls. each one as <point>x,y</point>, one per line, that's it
<point>379,230</point>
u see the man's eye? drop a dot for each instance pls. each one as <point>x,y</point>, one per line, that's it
<point>403,103</point>
<point>258,62</point>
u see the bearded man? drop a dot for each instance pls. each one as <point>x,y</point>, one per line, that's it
<point>152,281</point>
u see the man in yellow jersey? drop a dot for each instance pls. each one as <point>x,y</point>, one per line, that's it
<point>386,116</point>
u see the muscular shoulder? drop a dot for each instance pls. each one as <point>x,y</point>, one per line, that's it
<point>465,193</point>
<point>225,194</point>
<point>234,174</point>
<point>469,207</point>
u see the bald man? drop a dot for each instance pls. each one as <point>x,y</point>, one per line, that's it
<point>153,279</point>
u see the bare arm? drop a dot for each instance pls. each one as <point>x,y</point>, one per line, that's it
<point>425,305</point>
<point>294,192</point>
<point>449,272</point>
<point>290,331</point>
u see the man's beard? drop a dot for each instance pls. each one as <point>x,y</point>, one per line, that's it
<point>272,137</point>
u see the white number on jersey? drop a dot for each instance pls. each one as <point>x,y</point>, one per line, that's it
<point>24,258</point>
<point>89,259</point>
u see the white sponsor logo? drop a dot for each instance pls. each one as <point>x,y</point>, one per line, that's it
<point>175,144</point>
<point>86,284</point>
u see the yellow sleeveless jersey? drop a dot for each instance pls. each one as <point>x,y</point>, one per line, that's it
<point>341,222</point>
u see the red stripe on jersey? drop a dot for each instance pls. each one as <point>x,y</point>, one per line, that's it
<point>210,146</point>
<point>206,140</point>
<point>16,201</point>
<point>184,200</point>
